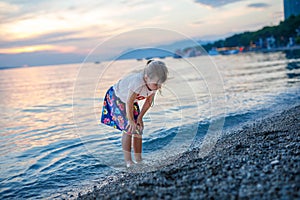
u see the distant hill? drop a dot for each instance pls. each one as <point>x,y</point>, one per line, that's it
<point>281,34</point>
<point>145,53</point>
<point>181,44</point>
<point>161,51</point>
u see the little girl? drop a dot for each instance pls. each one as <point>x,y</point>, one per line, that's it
<point>121,110</point>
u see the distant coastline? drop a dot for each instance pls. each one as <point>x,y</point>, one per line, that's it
<point>175,55</point>
<point>284,36</point>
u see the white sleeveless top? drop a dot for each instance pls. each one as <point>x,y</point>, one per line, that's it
<point>132,83</point>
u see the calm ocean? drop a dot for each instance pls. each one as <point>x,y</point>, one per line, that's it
<point>52,145</point>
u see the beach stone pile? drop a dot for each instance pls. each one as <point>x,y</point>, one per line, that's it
<point>259,161</point>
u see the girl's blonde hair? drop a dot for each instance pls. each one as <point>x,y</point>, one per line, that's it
<point>156,69</point>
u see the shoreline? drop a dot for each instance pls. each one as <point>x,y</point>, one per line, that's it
<point>259,161</point>
<point>264,50</point>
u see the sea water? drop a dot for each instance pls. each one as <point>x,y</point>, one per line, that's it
<point>53,146</point>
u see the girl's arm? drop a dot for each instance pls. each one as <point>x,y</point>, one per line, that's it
<point>131,127</point>
<point>146,105</point>
<point>145,108</point>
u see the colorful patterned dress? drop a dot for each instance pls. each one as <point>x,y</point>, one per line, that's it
<point>114,111</point>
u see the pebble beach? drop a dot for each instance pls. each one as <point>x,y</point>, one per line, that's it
<point>261,160</point>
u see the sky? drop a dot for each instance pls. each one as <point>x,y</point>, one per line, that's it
<point>45,32</point>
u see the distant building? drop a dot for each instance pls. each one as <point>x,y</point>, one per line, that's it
<point>291,7</point>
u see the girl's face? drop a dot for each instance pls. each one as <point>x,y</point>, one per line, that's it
<point>153,84</point>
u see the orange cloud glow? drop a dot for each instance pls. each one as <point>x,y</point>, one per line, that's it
<point>36,48</point>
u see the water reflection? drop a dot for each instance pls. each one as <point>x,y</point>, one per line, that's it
<point>37,104</point>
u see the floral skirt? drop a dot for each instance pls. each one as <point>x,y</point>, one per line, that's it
<point>114,111</point>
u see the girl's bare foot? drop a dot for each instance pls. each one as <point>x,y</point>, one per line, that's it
<point>129,163</point>
<point>139,161</point>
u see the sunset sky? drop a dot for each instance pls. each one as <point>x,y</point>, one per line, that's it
<point>39,32</point>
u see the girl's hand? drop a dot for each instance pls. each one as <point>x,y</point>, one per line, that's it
<point>140,124</point>
<point>131,126</point>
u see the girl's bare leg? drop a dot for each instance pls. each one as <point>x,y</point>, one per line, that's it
<point>137,147</point>
<point>126,146</point>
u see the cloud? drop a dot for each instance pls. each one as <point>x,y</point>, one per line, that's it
<point>7,11</point>
<point>135,2</point>
<point>35,48</point>
<point>89,18</point>
<point>197,23</point>
<point>42,39</point>
<point>258,5</point>
<point>7,8</point>
<point>57,42</point>
<point>216,3</point>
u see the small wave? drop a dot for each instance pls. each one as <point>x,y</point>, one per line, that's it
<point>161,139</point>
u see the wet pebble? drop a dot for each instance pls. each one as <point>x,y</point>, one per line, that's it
<point>260,161</point>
